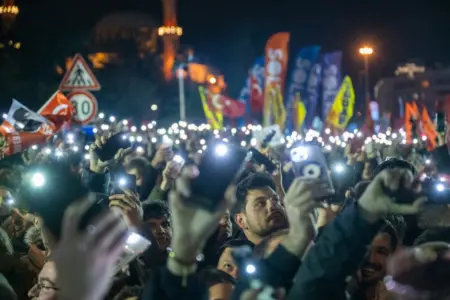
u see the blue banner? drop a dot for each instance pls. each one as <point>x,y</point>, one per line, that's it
<point>331,65</point>
<point>245,93</point>
<point>297,83</point>
<point>311,98</point>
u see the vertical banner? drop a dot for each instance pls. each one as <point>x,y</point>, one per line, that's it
<point>342,109</point>
<point>276,59</point>
<point>331,64</point>
<point>312,95</point>
<point>257,86</point>
<point>298,80</point>
<point>252,92</point>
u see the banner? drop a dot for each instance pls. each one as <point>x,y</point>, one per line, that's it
<point>342,109</point>
<point>257,86</point>
<point>331,65</point>
<point>276,58</point>
<point>298,82</point>
<point>255,78</point>
<point>299,113</point>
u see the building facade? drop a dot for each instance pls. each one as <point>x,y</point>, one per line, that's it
<point>412,83</point>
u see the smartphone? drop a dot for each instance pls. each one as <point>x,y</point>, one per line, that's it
<point>113,144</point>
<point>121,181</point>
<point>219,167</point>
<point>47,190</point>
<point>261,159</point>
<point>309,162</point>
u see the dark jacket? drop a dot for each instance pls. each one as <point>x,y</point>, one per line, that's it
<point>337,254</point>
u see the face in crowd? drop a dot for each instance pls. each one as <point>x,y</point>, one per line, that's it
<point>45,288</point>
<point>262,213</point>
<point>373,268</point>
<point>157,219</point>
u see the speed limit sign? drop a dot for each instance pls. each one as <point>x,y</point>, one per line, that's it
<point>85,106</point>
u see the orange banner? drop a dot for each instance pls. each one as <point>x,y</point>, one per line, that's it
<point>430,130</point>
<point>276,60</point>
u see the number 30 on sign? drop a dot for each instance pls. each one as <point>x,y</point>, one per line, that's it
<point>85,106</point>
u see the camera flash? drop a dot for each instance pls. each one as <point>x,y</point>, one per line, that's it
<point>339,168</point>
<point>178,159</point>
<point>440,187</point>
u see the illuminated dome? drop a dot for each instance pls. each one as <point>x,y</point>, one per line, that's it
<point>124,25</point>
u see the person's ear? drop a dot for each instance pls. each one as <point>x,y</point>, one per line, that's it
<point>241,220</point>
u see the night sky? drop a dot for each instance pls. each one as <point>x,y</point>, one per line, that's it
<point>231,33</point>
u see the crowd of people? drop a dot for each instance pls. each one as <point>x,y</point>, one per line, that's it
<point>268,236</point>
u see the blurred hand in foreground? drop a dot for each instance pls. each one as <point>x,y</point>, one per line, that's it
<point>192,226</point>
<point>85,259</point>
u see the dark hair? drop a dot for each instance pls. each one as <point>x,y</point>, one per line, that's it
<point>234,244</point>
<point>390,230</point>
<point>399,225</point>
<point>211,276</point>
<point>253,181</point>
<point>260,249</point>
<point>140,163</point>
<point>155,209</point>
<point>393,162</point>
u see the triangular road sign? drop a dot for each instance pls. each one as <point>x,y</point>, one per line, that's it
<point>79,77</point>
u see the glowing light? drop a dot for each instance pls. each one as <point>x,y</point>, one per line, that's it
<point>101,115</point>
<point>366,50</point>
<point>112,119</point>
<point>154,107</point>
<point>125,122</point>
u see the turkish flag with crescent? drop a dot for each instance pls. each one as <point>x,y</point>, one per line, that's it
<point>34,128</point>
<point>230,108</point>
<point>256,95</point>
<point>58,110</point>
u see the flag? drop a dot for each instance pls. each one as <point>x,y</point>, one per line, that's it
<point>213,116</point>
<point>255,78</point>
<point>58,110</point>
<point>21,118</point>
<point>312,96</point>
<point>298,81</point>
<point>276,58</point>
<point>299,112</point>
<point>331,65</point>
<point>23,127</point>
<point>342,109</point>
<point>230,108</point>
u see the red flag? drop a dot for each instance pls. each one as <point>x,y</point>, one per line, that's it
<point>230,108</point>
<point>58,110</point>
<point>256,95</point>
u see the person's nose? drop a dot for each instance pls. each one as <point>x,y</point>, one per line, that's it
<point>235,273</point>
<point>33,292</point>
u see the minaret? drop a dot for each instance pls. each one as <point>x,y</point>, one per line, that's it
<point>8,12</point>
<point>170,33</point>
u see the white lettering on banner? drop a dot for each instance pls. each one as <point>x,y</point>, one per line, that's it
<point>330,83</point>
<point>274,67</point>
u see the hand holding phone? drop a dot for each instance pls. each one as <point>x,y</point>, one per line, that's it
<point>308,162</point>
<point>219,167</point>
<point>122,181</point>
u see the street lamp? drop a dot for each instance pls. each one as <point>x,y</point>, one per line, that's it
<point>181,73</point>
<point>212,80</point>
<point>366,52</point>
